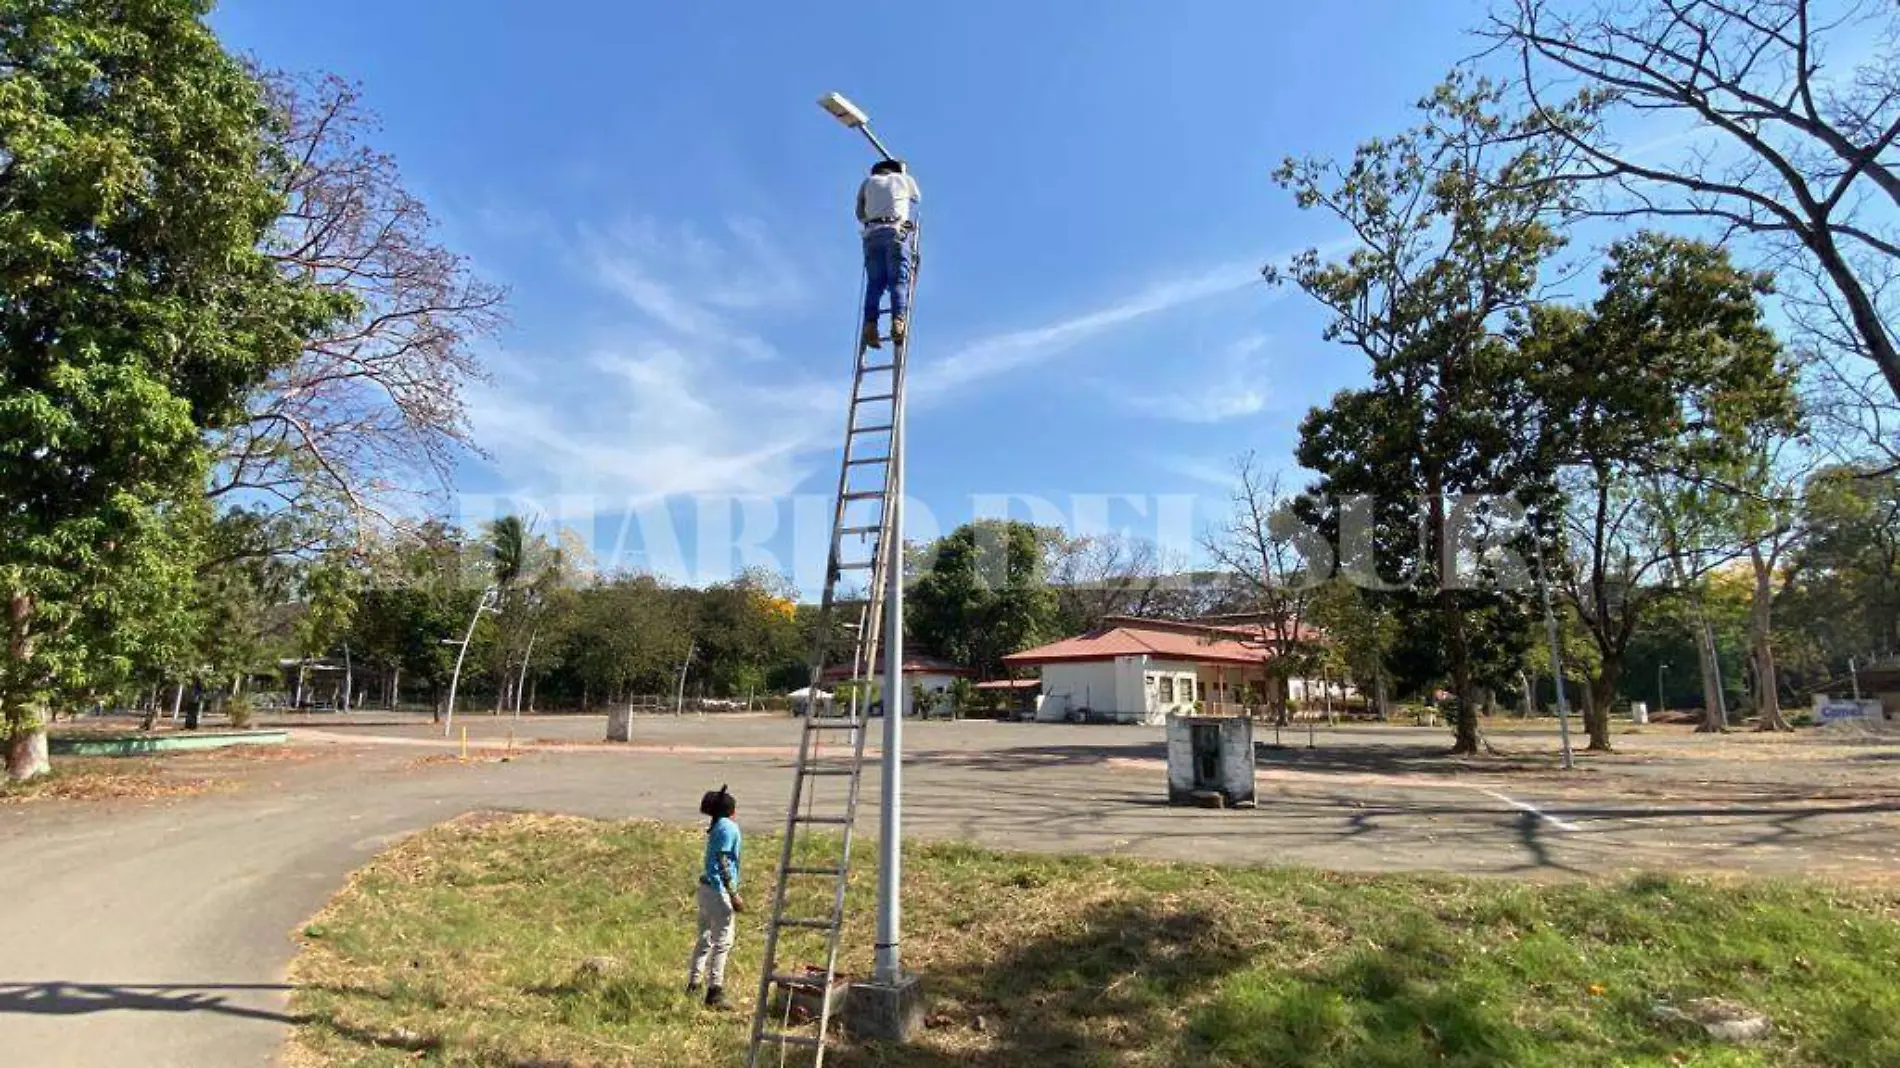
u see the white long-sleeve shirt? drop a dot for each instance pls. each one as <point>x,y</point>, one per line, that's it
<point>887,196</point>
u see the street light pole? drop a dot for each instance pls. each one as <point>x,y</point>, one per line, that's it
<point>1556,653</point>
<point>448,721</point>
<point>1660,668</point>
<point>890,872</point>
<point>888,967</point>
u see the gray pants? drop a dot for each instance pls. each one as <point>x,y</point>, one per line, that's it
<point>715,937</point>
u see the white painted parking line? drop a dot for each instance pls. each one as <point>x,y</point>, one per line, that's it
<point>1525,806</point>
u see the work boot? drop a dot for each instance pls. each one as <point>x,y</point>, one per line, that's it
<point>898,329</point>
<point>871,340</point>
<point>715,997</point>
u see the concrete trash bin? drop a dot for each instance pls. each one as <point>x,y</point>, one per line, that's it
<point>620,724</point>
<point>1211,761</point>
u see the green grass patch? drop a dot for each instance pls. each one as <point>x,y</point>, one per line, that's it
<point>544,941</point>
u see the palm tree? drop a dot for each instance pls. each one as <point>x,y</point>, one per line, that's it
<point>508,539</point>
<point>508,544</point>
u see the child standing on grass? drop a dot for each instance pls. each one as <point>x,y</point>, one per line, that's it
<point>718,897</point>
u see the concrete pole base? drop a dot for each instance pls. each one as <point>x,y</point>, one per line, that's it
<point>885,1012</point>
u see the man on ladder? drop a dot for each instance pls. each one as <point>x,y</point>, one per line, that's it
<point>886,209</point>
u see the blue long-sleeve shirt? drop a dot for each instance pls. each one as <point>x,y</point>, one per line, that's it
<point>723,844</point>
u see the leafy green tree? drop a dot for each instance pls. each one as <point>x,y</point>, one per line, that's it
<point>962,697</point>
<point>981,593</point>
<point>1452,220</point>
<point>1672,373</point>
<point>1359,631</point>
<point>136,312</point>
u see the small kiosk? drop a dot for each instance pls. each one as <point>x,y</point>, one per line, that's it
<point>1211,761</point>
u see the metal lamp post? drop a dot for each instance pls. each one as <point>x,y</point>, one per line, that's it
<point>1660,668</point>
<point>1556,653</point>
<point>888,967</point>
<point>448,721</point>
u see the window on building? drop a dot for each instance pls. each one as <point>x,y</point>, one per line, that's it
<point>1167,689</point>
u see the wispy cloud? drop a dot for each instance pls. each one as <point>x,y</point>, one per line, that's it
<point>686,396</point>
<point>683,396</point>
<point>999,354</point>
<point>1233,385</point>
<point>1217,473</point>
<point>689,284</point>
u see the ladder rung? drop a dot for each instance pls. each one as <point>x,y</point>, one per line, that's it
<point>859,530</point>
<point>805,980</point>
<point>829,872</point>
<point>864,495</point>
<point>827,771</point>
<point>856,565</point>
<point>809,925</point>
<point>828,821</point>
<point>867,461</point>
<point>877,397</point>
<point>885,429</point>
<point>791,1040</point>
<point>869,367</point>
<point>832,725</point>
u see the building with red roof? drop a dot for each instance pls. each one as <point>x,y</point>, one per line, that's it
<point>1131,670</point>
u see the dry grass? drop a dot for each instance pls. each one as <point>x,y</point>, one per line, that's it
<point>109,779</point>
<point>471,945</point>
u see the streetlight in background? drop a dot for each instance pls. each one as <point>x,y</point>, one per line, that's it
<point>483,605</point>
<point>1660,706</point>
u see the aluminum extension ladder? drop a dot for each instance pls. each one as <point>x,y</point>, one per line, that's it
<point>794,1011</point>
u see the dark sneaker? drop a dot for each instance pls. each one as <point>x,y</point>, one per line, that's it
<point>715,997</point>
<point>871,340</point>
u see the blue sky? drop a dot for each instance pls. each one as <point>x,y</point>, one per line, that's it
<point>672,214</point>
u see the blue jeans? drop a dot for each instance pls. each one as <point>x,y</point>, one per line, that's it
<point>886,270</point>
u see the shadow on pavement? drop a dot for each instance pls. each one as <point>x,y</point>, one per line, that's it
<point>58,998</point>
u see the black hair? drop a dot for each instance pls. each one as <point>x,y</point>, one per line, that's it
<point>888,166</point>
<point>717,805</point>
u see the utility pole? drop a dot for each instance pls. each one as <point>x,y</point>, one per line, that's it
<point>679,695</point>
<point>1556,653</point>
<point>890,874</point>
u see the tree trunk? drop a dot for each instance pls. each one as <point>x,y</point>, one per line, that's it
<point>178,700</point>
<point>1714,718</point>
<point>1598,698</point>
<point>296,699</point>
<point>26,747</point>
<point>1468,740</point>
<point>534,686</point>
<point>1767,692</point>
<point>25,731</point>
<point>1380,696</point>
<point>349,679</point>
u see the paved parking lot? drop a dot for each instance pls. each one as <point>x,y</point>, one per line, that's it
<point>156,933</point>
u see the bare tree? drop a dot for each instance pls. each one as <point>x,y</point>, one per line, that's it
<point>373,410</point>
<point>1266,549</point>
<point>1785,148</point>
<point>1103,575</point>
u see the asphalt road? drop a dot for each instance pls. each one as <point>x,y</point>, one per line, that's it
<point>157,934</point>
